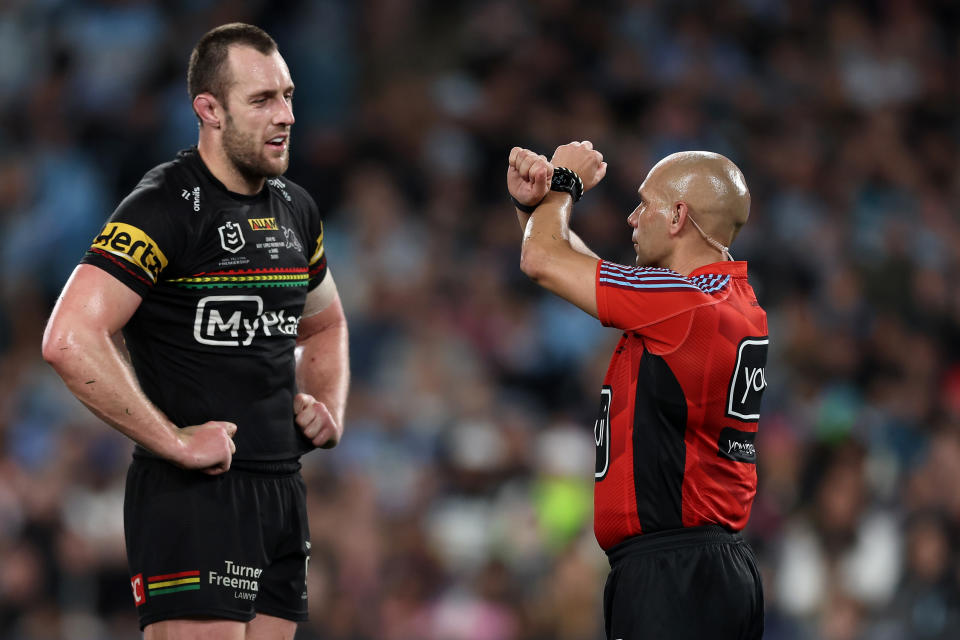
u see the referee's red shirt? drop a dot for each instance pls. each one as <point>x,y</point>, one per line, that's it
<point>680,401</point>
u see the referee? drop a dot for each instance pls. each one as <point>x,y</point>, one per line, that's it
<point>214,269</point>
<point>679,406</point>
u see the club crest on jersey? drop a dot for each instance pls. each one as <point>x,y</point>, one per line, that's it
<point>231,237</point>
<point>749,380</point>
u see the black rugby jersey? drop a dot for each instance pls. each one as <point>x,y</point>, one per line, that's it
<point>223,277</point>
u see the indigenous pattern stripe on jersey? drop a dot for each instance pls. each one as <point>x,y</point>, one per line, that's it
<point>223,277</point>
<point>680,400</point>
<point>244,278</point>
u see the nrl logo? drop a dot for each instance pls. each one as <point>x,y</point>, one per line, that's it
<point>231,237</point>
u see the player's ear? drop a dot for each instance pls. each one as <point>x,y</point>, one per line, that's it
<point>208,109</point>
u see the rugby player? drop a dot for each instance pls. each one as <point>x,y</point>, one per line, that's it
<point>214,270</point>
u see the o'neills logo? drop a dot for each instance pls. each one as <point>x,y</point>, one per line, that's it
<point>263,224</point>
<point>133,245</point>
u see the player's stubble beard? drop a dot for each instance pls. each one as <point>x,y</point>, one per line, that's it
<point>246,153</point>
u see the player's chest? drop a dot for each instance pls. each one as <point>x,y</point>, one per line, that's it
<point>238,239</point>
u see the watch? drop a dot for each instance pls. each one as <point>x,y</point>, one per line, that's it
<point>567,180</point>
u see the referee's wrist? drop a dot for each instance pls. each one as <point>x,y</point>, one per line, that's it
<point>562,198</point>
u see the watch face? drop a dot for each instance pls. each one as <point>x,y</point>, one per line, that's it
<point>565,180</point>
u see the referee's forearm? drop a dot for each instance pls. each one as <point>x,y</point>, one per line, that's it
<point>575,242</point>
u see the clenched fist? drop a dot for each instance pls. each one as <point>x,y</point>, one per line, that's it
<point>528,176</point>
<point>582,158</point>
<point>206,447</point>
<point>316,421</point>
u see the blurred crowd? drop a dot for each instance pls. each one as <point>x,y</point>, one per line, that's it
<point>458,506</point>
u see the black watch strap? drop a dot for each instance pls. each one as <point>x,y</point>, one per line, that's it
<point>563,180</point>
<point>526,208</point>
<point>567,180</point>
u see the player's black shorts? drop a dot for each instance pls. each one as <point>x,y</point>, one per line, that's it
<point>227,546</point>
<point>699,583</point>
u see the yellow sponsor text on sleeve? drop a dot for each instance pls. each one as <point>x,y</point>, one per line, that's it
<point>133,245</point>
<point>318,252</point>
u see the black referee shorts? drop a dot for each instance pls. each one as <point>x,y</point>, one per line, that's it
<point>227,546</point>
<point>700,583</point>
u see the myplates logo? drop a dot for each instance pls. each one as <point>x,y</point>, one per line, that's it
<point>133,245</point>
<point>749,380</point>
<point>231,237</point>
<point>234,321</point>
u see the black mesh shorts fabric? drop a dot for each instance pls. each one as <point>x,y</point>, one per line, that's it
<point>227,546</point>
<point>699,583</point>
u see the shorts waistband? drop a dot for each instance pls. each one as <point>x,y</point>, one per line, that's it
<point>266,467</point>
<point>261,467</point>
<point>671,539</point>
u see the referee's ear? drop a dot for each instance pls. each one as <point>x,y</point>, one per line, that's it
<point>208,110</point>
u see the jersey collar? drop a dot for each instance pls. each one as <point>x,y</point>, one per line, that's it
<point>735,268</point>
<point>193,154</point>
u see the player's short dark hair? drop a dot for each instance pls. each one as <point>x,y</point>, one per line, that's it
<point>207,71</point>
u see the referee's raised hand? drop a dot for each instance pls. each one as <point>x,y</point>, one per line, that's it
<point>583,159</point>
<point>528,176</point>
<point>206,447</point>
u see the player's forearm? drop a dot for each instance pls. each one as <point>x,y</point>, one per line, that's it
<point>323,366</point>
<point>94,370</point>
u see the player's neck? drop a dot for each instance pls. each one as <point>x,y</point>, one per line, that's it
<point>217,162</point>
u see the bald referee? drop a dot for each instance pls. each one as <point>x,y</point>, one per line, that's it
<point>680,403</point>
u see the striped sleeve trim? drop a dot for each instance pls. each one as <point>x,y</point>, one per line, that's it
<point>659,279</point>
<point>122,264</point>
<point>317,268</point>
<point>642,278</point>
<point>711,282</point>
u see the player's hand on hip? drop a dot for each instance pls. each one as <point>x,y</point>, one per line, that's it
<point>316,421</point>
<point>582,158</point>
<point>528,176</point>
<point>206,447</point>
